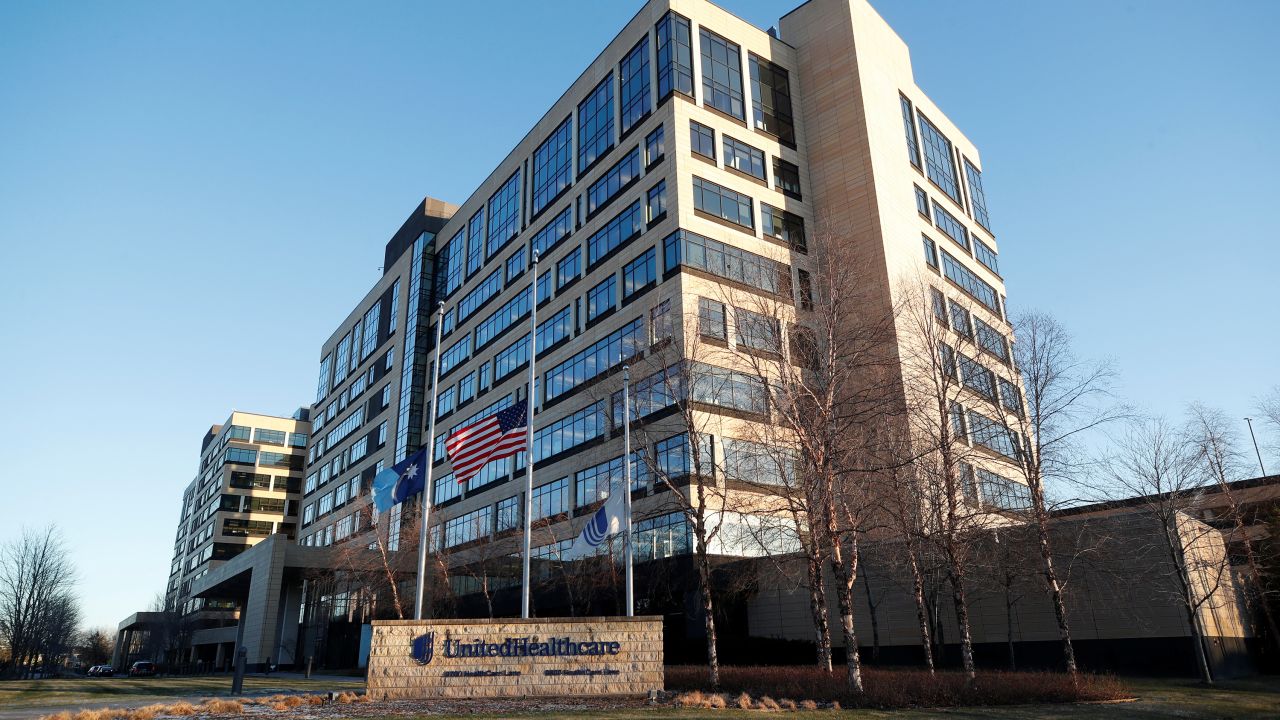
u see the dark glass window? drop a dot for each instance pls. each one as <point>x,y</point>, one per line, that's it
<point>986,255</point>
<point>622,228</point>
<point>467,388</point>
<point>784,226</point>
<point>544,287</point>
<point>949,225</point>
<point>909,127</point>
<point>634,75</point>
<point>452,256</point>
<point>675,56</point>
<point>756,331</point>
<point>976,195</point>
<point>960,319</point>
<point>922,201</point>
<point>502,318</point>
<point>656,201</point>
<point>786,177</point>
<point>992,340</point>
<point>721,74</point>
<point>555,231</point>
<point>743,158</point>
<point>711,319</point>
<point>618,347</point>
<point>268,437</point>
<point>516,264</point>
<point>595,123</point>
<point>477,297</point>
<point>475,242</point>
<point>569,268</point>
<point>722,202</point>
<point>702,139</point>
<point>602,297</point>
<point>622,174</point>
<point>655,147</point>
<point>551,166</point>
<point>639,273</point>
<point>697,251</point>
<point>975,286</point>
<point>771,100</point>
<point>939,305</point>
<point>806,289</point>
<point>939,159</point>
<point>930,252</point>
<point>504,215</point>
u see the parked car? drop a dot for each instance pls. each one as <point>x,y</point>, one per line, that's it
<point>101,671</point>
<point>142,668</point>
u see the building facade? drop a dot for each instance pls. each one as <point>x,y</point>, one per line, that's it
<point>670,196</point>
<point>247,488</point>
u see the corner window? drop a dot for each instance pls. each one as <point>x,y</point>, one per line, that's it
<point>675,56</point>
<point>595,123</point>
<point>634,75</point>
<point>771,100</point>
<point>702,140</point>
<point>786,177</point>
<point>721,74</point>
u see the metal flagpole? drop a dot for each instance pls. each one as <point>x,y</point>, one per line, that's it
<point>431,451</point>
<point>528,447</point>
<point>626,483</point>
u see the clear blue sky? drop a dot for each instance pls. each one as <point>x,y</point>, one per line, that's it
<point>193,194</point>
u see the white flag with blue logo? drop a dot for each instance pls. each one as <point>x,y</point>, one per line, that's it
<point>604,522</point>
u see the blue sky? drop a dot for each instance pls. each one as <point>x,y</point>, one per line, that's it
<point>193,194</point>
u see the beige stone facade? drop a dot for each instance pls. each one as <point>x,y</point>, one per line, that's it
<point>515,658</point>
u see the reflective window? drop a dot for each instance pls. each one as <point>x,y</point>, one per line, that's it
<point>634,76</point>
<point>502,318</point>
<point>771,100</point>
<point>992,340</point>
<point>930,252</point>
<point>675,56</point>
<point>639,273</point>
<point>455,355</point>
<point>569,432</point>
<point>656,201</point>
<point>786,177</point>
<point>504,215</point>
<point>986,255</point>
<point>475,242</point>
<point>976,195</point>
<point>922,201</point>
<point>570,268</point>
<point>711,319</point>
<point>618,177</point>
<point>702,139</point>
<point>729,389</point>
<point>624,227</point>
<point>752,462</point>
<point>608,352</point>
<point>602,298</point>
<point>909,127</point>
<point>269,437</point>
<point>956,272</point>
<point>479,295</point>
<point>655,147</point>
<point>507,513</point>
<point>552,171</point>
<point>939,159</point>
<point>516,265</point>
<point>782,225</point>
<point>555,231</point>
<point>743,158</point>
<point>371,318</point>
<point>326,371</point>
<point>722,202</point>
<point>721,74</point>
<point>551,499</point>
<point>595,123</point>
<point>467,387</point>
<point>948,224</point>
<point>757,331</point>
<point>697,251</point>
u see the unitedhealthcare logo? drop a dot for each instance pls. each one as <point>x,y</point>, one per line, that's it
<point>424,648</point>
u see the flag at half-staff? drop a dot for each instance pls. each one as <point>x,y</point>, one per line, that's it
<point>498,436</point>
<point>400,481</point>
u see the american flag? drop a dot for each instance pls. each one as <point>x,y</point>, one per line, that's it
<point>498,436</point>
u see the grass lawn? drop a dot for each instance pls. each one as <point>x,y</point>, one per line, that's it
<point>18,694</point>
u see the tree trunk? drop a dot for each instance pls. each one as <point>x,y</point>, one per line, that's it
<point>846,575</point>
<point>1051,574</point>
<point>1177,555</point>
<point>875,624</point>
<point>709,619</point>
<point>962,619</point>
<point>818,607</point>
<point>922,608</point>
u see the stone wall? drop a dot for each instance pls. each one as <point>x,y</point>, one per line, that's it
<point>508,657</point>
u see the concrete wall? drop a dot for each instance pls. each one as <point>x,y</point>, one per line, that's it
<point>634,669</point>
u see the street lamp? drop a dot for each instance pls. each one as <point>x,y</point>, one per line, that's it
<point>1255,447</point>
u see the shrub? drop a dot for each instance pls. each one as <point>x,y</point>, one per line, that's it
<point>899,687</point>
<point>768,703</point>
<point>223,707</point>
<point>182,708</point>
<point>717,702</point>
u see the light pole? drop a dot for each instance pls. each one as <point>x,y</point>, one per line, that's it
<point>1255,447</point>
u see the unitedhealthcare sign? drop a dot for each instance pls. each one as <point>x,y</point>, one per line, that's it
<point>423,648</point>
<point>507,657</point>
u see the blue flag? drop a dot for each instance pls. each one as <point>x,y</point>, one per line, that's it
<point>400,481</point>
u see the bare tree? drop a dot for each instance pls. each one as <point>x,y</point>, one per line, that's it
<point>1065,399</point>
<point>97,645</point>
<point>38,612</point>
<point>1219,457</point>
<point>1156,469</point>
<point>1269,407</point>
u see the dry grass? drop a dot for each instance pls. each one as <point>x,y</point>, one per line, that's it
<point>896,688</point>
<point>182,709</point>
<point>223,707</point>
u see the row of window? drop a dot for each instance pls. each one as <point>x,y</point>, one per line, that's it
<point>940,162</point>
<point>744,158</point>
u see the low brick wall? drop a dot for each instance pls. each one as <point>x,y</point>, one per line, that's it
<point>411,659</point>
